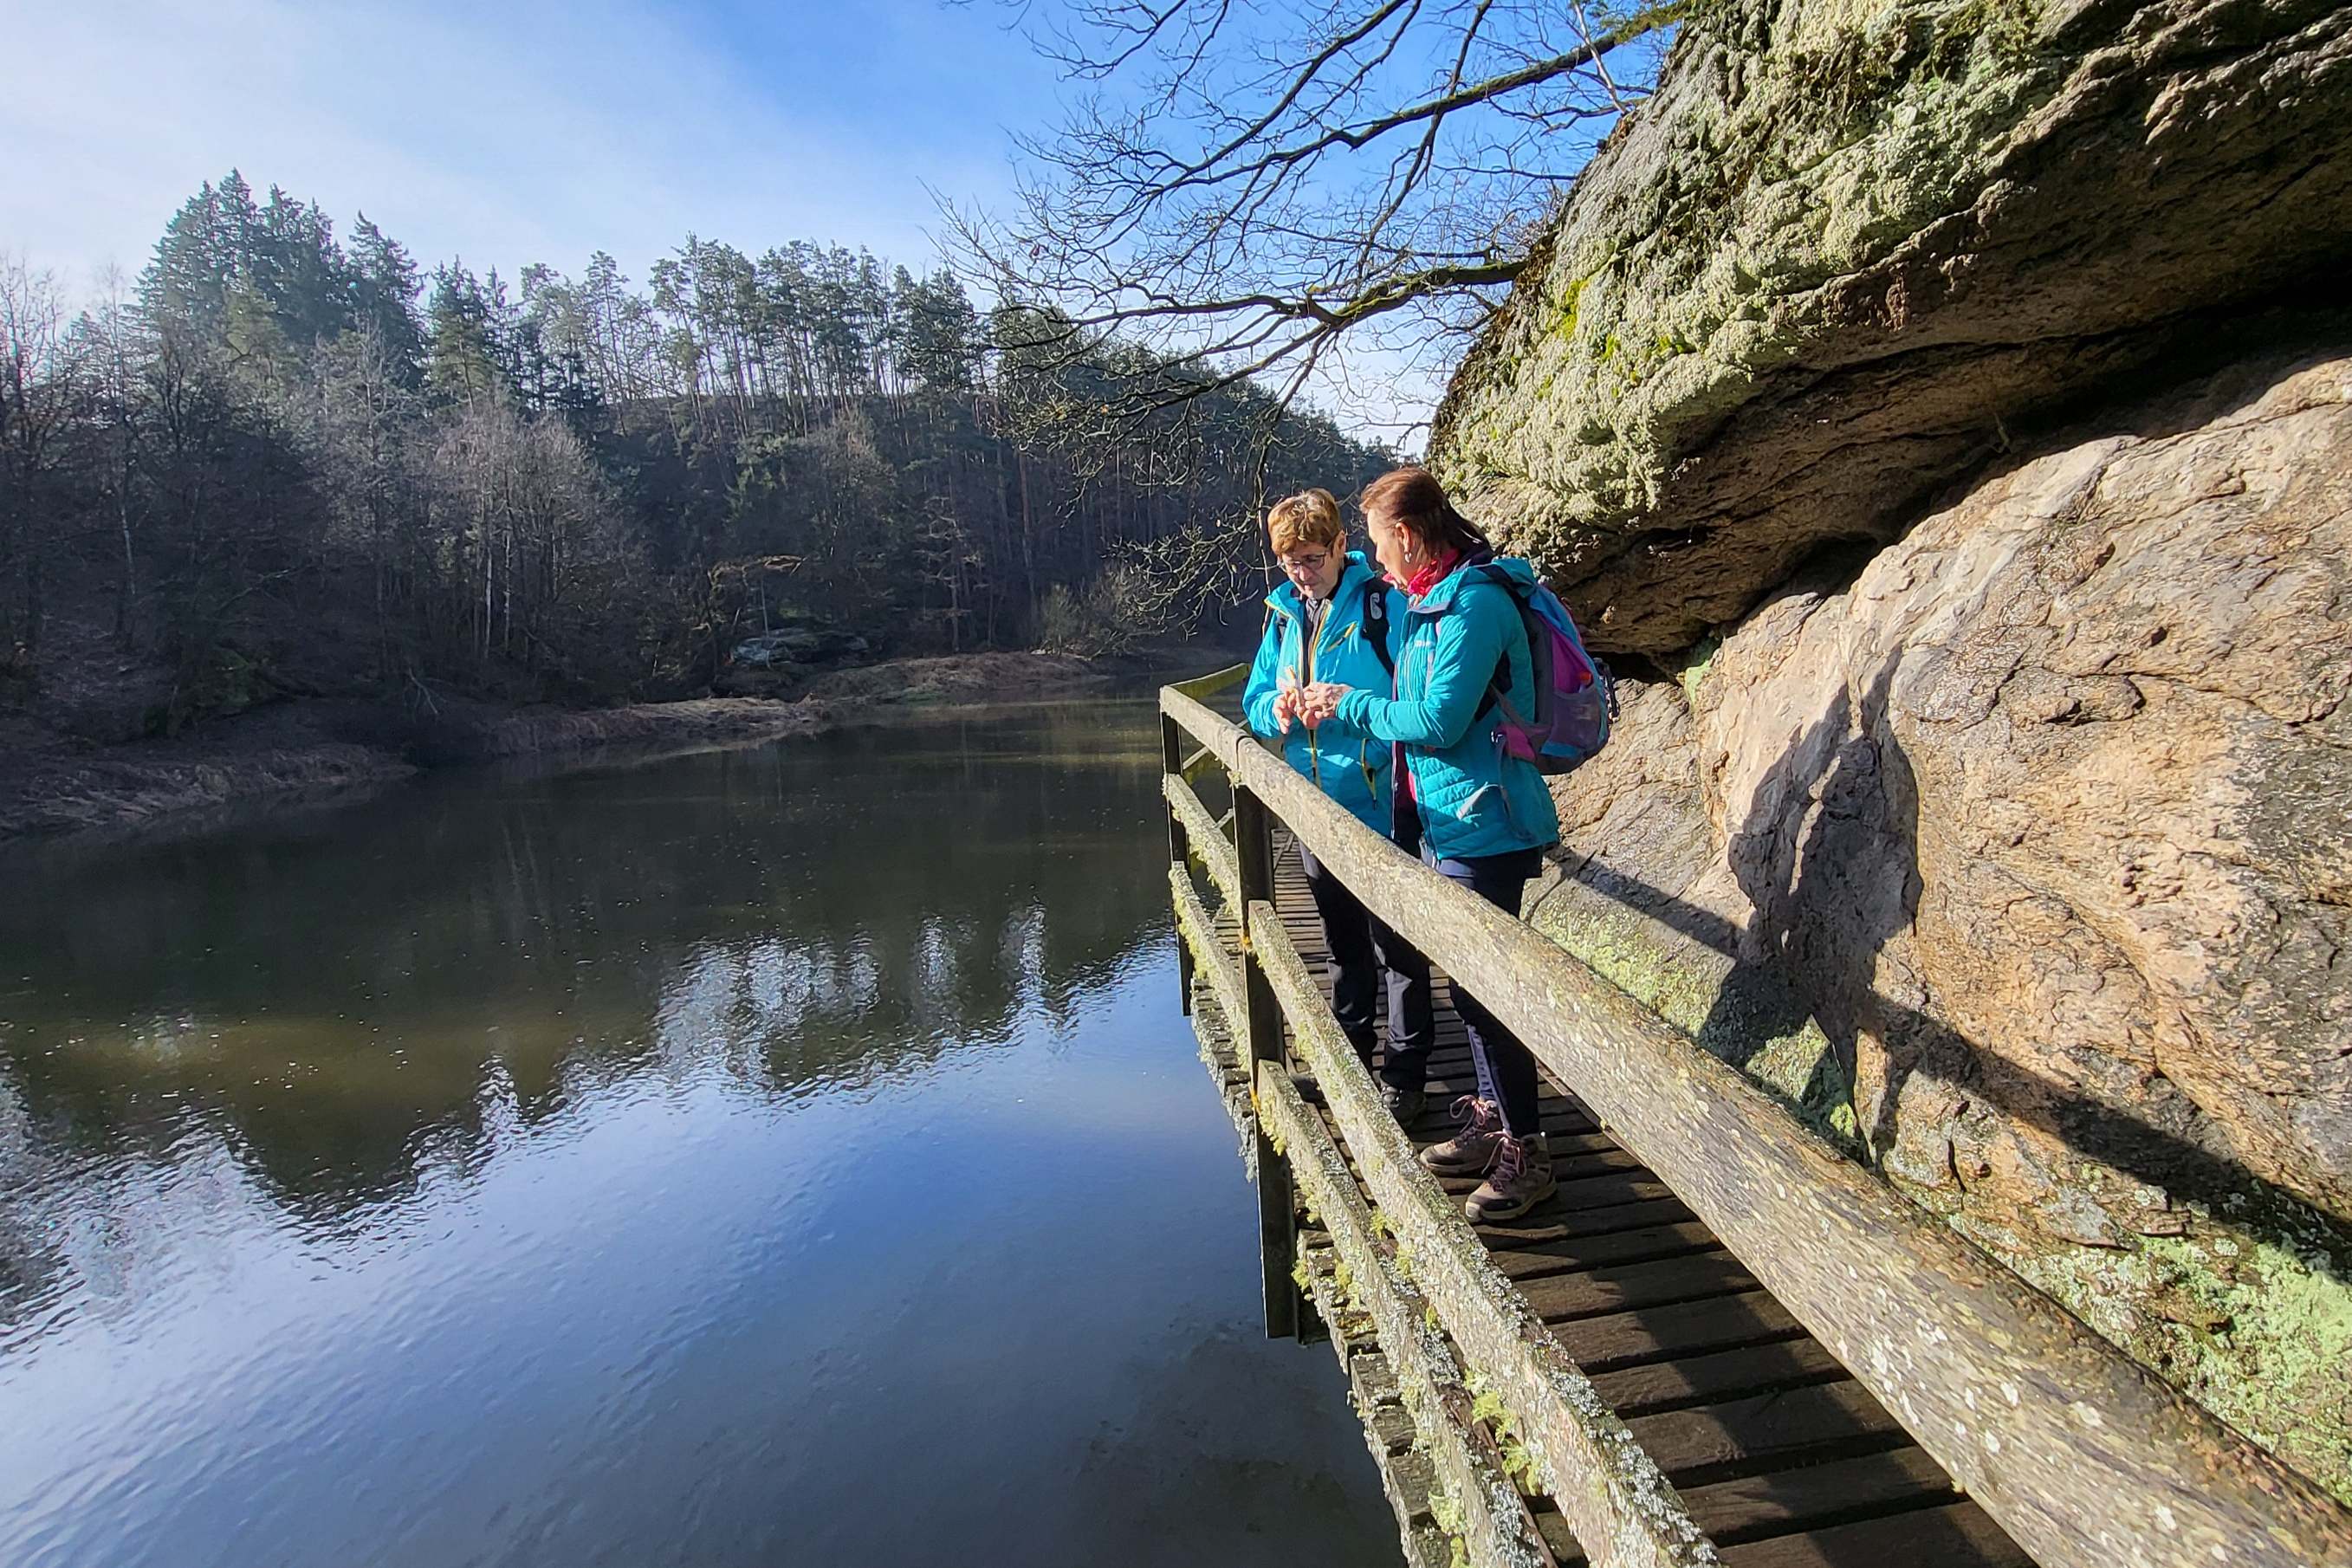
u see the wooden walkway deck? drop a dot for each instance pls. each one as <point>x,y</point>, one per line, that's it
<point>1611,1378</point>
<point>1780,1456</point>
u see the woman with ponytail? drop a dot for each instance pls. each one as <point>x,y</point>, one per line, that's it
<point>1478,814</point>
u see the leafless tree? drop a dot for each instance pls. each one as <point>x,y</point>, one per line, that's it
<point>35,406</point>
<point>1242,189</point>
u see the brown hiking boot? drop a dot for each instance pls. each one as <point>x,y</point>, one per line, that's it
<point>1472,1150</point>
<point>1520,1179</point>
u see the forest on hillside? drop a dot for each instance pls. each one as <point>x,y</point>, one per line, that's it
<point>285,459</point>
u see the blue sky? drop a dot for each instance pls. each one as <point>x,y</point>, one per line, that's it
<point>525,131</point>
<point>516,131</point>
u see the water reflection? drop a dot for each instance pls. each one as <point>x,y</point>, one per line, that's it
<point>724,1161</point>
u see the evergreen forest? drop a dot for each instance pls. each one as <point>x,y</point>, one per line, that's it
<point>284,459</point>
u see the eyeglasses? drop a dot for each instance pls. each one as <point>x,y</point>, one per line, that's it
<point>1305,563</point>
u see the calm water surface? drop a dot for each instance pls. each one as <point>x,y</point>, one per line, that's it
<point>773,1157</point>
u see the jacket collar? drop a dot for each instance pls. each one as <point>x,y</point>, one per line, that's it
<point>1440,597</point>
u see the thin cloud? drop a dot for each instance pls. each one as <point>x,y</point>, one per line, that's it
<point>504,135</point>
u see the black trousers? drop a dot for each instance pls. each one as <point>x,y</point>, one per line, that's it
<point>1365,952</point>
<point>1506,1069</point>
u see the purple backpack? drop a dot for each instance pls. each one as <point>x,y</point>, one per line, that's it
<point>1574,698</point>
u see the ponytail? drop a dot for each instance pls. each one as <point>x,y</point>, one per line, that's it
<point>1413,498</point>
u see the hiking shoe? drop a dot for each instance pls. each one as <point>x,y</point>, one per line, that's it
<point>1405,1104</point>
<point>1520,1179</point>
<point>1471,1149</point>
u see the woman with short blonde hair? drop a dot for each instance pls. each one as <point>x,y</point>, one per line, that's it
<point>1330,620</point>
<point>1308,518</point>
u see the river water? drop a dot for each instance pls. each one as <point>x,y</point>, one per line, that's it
<point>771,1157</point>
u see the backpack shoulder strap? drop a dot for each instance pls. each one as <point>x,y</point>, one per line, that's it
<point>1376,621</point>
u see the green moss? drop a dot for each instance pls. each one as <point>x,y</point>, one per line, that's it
<point>2002,32</point>
<point>1563,326</point>
<point>1697,662</point>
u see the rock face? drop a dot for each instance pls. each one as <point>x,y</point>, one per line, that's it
<point>2020,862</point>
<point>1853,247</point>
<point>1949,402</point>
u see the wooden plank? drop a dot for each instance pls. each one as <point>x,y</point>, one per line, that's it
<point>1199,933</point>
<point>1903,1480</point>
<point>1721,1374</point>
<point>1629,1287</point>
<point>1767,1431</point>
<point>1819,1497</point>
<point>1493,1523</point>
<point>1555,1224</point>
<point>1566,1254</point>
<point>1614,1499</point>
<point>1204,838</point>
<point>1958,1536</point>
<point>1602,1345</point>
<point>2086,1458</point>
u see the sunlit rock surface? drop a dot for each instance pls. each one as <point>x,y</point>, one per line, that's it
<point>1851,250</point>
<point>2021,863</point>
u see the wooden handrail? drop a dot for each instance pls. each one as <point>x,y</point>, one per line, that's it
<point>1493,1523</point>
<point>2086,1459</point>
<point>1199,933</point>
<point>1216,680</point>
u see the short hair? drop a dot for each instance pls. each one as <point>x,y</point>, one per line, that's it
<point>1310,517</point>
<point>1413,498</point>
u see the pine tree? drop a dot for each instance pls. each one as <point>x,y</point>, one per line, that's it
<point>385,285</point>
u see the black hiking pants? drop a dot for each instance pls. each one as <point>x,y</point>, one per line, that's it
<point>1363,954</point>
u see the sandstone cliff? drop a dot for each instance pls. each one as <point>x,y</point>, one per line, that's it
<point>1854,246</point>
<point>1950,405</point>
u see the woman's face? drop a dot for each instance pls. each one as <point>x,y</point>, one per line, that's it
<point>1392,543</point>
<point>1314,569</point>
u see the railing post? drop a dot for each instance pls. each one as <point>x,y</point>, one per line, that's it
<point>1171,762</point>
<point>1277,1223</point>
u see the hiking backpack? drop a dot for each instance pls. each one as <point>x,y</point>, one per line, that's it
<point>1574,697</point>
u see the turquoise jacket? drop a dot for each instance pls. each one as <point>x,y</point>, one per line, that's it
<point>1474,799</point>
<point>1346,763</point>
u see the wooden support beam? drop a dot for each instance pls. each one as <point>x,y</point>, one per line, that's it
<point>1172,742</point>
<point>1614,1499</point>
<point>2088,1459</point>
<point>1262,1029</point>
<point>1488,1515</point>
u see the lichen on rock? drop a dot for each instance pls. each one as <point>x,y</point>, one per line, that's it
<point>1852,248</point>
<point>2014,864</point>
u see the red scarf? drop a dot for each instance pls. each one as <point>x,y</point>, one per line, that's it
<point>1429,576</point>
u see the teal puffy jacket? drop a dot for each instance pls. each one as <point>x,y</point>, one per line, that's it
<point>1474,798</point>
<point>1346,763</point>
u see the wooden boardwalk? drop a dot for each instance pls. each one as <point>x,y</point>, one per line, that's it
<point>1782,1458</point>
<point>1610,1380</point>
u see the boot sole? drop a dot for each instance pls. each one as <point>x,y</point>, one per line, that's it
<point>1495,1214</point>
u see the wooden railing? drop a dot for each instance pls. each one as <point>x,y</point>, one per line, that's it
<point>2088,1460</point>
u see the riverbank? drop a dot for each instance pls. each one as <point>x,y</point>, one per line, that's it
<point>53,783</point>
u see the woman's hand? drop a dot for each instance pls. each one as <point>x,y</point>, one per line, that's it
<point>1285,708</point>
<point>1320,701</point>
